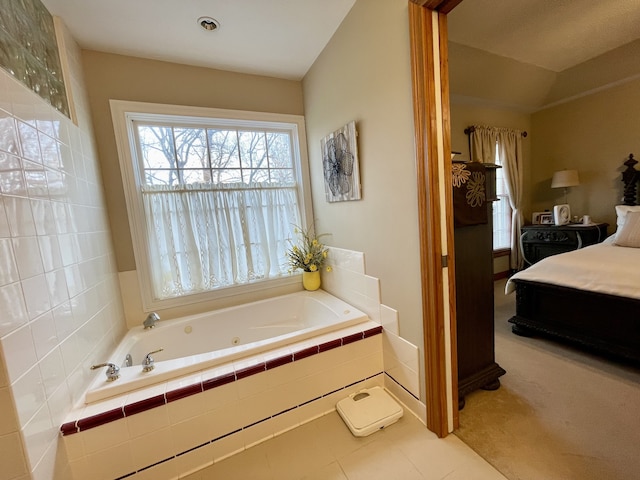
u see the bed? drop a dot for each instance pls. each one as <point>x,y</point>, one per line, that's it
<point>588,297</point>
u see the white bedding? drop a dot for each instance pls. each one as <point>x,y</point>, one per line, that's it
<point>604,268</point>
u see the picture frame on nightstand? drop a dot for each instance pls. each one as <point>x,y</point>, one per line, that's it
<point>535,217</point>
<point>546,218</point>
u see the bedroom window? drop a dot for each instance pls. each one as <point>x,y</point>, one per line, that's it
<point>213,197</point>
<point>501,211</point>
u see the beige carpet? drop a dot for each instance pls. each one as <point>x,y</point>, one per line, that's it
<point>559,414</point>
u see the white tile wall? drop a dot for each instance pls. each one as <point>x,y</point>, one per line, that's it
<point>389,319</point>
<point>348,281</point>
<point>59,301</point>
<point>401,362</point>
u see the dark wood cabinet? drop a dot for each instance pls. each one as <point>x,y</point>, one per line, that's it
<point>540,241</point>
<point>477,367</point>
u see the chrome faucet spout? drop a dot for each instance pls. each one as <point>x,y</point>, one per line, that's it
<point>151,320</point>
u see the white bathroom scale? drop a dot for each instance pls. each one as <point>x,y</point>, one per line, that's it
<point>368,411</point>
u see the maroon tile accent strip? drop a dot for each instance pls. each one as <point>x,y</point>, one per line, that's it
<point>86,423</point>
<point>401,386</point>
<point>278,362</point>
<point>352,338</point>
<point>248,371</point>
<point>100,419</point>
<point>307,352</point>
<point>183,392</point>
<point>68,428</point>
<point>144,405</point>
<point>218,381</point>
<point>323,347</point>
<point>373,331</point>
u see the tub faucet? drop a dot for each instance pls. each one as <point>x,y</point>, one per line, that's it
<point>148,363</point>
<point>151,320</point>
<point>112,373</point>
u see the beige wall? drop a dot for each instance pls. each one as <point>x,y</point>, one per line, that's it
<point>364,75</point>
<point>594,135</point>
<point>129,78</point>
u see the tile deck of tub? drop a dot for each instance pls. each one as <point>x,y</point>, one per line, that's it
<point>102,412</point>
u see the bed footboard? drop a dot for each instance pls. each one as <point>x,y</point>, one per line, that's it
<point>602,323</point>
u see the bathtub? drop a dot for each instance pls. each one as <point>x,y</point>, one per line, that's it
<point>202,341</point>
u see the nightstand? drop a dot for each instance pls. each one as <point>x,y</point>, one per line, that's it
<point>540,241</point>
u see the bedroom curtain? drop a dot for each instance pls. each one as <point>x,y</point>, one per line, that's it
<point>486,142</point>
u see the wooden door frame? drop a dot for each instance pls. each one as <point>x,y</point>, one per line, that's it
<point>430,82</point>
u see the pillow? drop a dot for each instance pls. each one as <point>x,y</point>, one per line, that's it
<point>621,212</point>
<point>629,234</point>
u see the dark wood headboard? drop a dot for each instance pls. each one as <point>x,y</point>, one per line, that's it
<point>630,178</point>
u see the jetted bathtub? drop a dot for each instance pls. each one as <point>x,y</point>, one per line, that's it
<point>202,341</point>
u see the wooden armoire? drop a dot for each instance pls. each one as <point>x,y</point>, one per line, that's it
<point>474,193</point>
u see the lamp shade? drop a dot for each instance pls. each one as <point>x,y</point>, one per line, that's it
<point>565,178</point>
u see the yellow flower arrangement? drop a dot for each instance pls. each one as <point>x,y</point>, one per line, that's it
<point>309,255</point>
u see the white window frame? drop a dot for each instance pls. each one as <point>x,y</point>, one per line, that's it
<point>124,113</point>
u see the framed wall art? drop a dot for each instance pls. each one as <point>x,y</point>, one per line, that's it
<point>340,164</point>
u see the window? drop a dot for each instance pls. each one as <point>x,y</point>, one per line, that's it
<point>213,197</point>
<point>501,211</point>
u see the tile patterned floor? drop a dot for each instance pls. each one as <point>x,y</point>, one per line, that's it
<point>325,449</point>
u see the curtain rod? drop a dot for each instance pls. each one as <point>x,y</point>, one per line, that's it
<point>471,129</point>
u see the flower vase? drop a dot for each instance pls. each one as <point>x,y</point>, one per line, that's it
<point>311,280</point>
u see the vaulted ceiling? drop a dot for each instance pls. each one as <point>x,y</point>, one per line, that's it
<point>528,54</point>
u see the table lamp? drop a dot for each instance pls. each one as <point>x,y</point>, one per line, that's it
<point>565,179</point>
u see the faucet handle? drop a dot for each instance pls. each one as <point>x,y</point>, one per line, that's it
<point>112,372</point>
<point>148,362</point>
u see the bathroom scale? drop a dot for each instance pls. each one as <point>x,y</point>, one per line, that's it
<point>368,411</point>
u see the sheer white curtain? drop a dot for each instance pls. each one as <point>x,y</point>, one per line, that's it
<point>485,142</point>
<point>201,238</point>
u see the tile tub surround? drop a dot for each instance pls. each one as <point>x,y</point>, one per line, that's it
<point>401,362</point>
<point>221,411</point>
<point>99,413</point>
<point>226,409</point>
<point>348,282</point>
